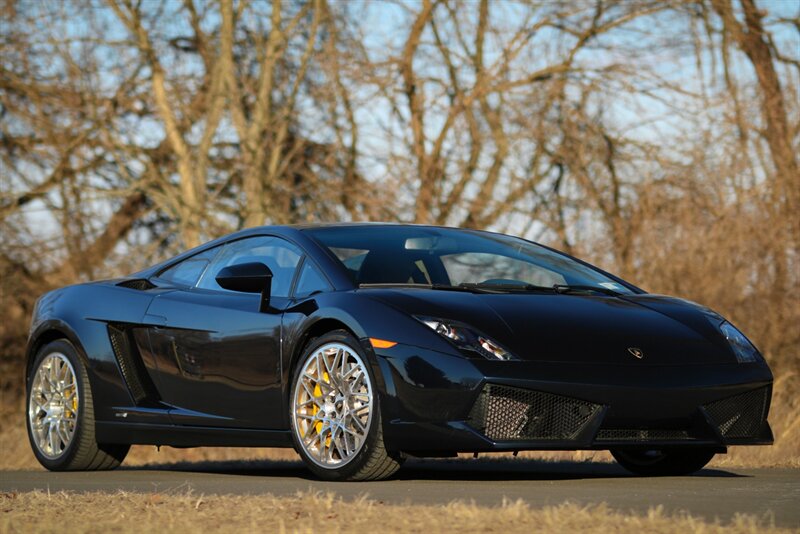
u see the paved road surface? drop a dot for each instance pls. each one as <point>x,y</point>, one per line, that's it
<point>713,493</point>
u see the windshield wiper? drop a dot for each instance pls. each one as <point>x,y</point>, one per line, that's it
<point>442,287</point>
<point>497,288</point>
<point>471,287</point>
<point>570,288</point>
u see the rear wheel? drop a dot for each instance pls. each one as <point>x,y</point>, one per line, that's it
<point>663,462</point>
<point>60,415</point>
<point>335,412</point>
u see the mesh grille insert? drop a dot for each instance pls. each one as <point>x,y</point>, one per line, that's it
<point>507,413</point>
<point>740,416</point>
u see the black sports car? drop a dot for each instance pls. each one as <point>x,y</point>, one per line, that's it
<point>362,344</point>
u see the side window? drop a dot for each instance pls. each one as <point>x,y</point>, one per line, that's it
<point>279,255</point>
<point>187,272</point>
<point>310,281</point>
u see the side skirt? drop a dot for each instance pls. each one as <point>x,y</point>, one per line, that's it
<point>189,436</point>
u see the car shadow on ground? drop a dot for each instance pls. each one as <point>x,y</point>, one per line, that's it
<point>482,469</point>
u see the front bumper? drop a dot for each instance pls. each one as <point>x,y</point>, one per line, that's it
<point>434,402</point>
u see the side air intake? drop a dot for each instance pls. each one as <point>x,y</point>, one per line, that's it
<point>504,413</point>
<point>139,284</point>
<point>130,364</point>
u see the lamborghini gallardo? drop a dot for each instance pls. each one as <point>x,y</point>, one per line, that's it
<point>360,345</point>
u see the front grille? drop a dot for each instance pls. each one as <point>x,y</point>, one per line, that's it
<point>635,434</point>
<point>740,416</point>
<point>505,413</point>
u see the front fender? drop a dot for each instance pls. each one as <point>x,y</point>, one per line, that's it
<point>81,315</point>
<point>365,318</point>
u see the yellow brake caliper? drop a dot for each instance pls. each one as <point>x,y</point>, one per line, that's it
<point>315,408</point>
<point>74,407</point>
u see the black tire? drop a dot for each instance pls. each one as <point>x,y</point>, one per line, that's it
<point>82,453</point>
<point>663,462</point>
<point>372,461</point>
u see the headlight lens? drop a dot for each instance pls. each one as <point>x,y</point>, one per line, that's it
<point>744,350</point>
<point>467,338</point>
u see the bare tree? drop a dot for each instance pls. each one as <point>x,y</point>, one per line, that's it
<point>657,138</point>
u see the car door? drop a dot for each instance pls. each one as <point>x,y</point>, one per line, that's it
<point>217,357</point>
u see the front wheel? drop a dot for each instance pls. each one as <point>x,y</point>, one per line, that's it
<point>663,462</point>
<point>60,415</point>
<point>335,412</point>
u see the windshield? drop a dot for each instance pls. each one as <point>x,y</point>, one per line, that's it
<point>452,257</point>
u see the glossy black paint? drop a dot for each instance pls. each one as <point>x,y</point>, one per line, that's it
<point>219,364</point>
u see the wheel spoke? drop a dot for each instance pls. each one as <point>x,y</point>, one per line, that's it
<point>321,446</point>
<point>63,431</point>
<point>308,432</point>
<point>39,402</point>
<point>320,372</point>
<point>338,357</point>
<point>310,400</point>
<point>347,375</point>
<point>309,389</point>
<point>358,423</point>
<point>327,362</point>
<point>52,438</point>
<point>51,373</point>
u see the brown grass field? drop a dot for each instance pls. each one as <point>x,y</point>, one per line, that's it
<point>314,512</point>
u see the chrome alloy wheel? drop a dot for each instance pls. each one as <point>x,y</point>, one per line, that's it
<point>332,405</point>
<point>53,405</point>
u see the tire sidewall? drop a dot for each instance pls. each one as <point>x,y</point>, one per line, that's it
<point>63,347</point>
<point>673,462</point>
<point>346,471</point>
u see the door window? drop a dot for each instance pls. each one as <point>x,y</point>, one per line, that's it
<point>278,254</point>
<point>187,272</point>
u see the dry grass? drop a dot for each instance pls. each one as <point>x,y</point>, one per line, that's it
<point>784,418</point>
<point>314,512</point>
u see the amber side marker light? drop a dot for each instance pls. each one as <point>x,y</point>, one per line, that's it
<point>382,343</point>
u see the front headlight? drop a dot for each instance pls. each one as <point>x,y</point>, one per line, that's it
<point>467,338</point>
<point>744,350</point>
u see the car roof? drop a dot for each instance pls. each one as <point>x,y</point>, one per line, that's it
<point>311,226</point>
<point>294,232</point>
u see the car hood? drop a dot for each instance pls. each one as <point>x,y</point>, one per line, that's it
<point>575,327</point>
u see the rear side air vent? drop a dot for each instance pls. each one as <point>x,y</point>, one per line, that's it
<point>139,284</point>
<point>506,413</point>
<point>130,364</point>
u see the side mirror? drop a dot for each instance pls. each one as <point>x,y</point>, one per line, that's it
<point>252,277</point>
